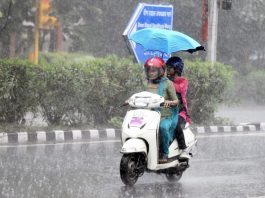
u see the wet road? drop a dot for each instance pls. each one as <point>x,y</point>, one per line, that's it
<point>230,165</point>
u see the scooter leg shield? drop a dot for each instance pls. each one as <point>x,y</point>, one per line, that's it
<point>134,146</point>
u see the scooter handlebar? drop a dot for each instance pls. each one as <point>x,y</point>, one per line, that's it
<point>163,105</point>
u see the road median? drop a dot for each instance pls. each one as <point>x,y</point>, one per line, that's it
<point>110,133</point>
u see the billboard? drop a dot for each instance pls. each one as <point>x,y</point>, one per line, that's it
<point>148,16</point>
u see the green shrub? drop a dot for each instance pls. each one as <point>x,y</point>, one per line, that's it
<point>59,99</point>
<point>110,82</point>
<point>207,85</point>
<point>116,122</point>
<point>62,100</point>
<point>88,91</point>
<point>18,89</point>
<point>74,91</point>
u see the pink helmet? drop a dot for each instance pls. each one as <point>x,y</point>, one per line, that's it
<point>154,68</point>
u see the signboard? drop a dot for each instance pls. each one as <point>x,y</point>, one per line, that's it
<point>147,16</point>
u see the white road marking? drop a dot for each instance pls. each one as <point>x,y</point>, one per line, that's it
<point>77,134</point>
<point>59,143</point>
<point>59,135</point>
<point>94,134</point>
<point>22,137</point>
<point>214,129</point>
<point>3,138</point>
<point>41,136</point>
<point>110,133</point>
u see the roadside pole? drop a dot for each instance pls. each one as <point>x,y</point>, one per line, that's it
<point>212,31</point>
<point>43,20</point>
<point>36,36</point>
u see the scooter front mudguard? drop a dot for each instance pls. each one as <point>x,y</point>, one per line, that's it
<point>134,146</point>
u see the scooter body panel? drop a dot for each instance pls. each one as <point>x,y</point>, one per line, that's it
<point>173,149</point>
<point>143,124</point>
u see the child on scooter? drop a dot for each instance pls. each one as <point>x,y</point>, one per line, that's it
<point>175,67</point>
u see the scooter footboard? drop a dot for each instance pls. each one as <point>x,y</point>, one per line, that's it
<point>134,146</point>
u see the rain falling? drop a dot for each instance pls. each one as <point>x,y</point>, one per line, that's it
<point>132,98</point>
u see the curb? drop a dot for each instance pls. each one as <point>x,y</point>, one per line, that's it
<point>94,134</point>
<point>243,127</point>
<point>58,136</point>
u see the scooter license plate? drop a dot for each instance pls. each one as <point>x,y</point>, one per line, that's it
<point>136,121</point>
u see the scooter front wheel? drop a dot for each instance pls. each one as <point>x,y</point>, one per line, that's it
<point>128,170</point>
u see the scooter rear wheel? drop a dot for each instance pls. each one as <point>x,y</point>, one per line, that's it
<point>128,171</point>
<point>173,177</point>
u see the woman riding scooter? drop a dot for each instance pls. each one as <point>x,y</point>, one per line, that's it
<point>159,84</point>
<point>175,67</point>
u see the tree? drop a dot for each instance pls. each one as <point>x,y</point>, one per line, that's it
<point>14,13</point>
<point>5,12</point>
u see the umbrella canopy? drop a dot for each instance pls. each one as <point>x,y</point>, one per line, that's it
<point>165,41</point>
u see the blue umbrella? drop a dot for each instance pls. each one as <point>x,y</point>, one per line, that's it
<point>165,41</point>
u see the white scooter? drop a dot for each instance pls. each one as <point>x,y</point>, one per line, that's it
<point>140,142</point>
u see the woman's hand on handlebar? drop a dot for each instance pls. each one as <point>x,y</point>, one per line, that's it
<point>169,103</point>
